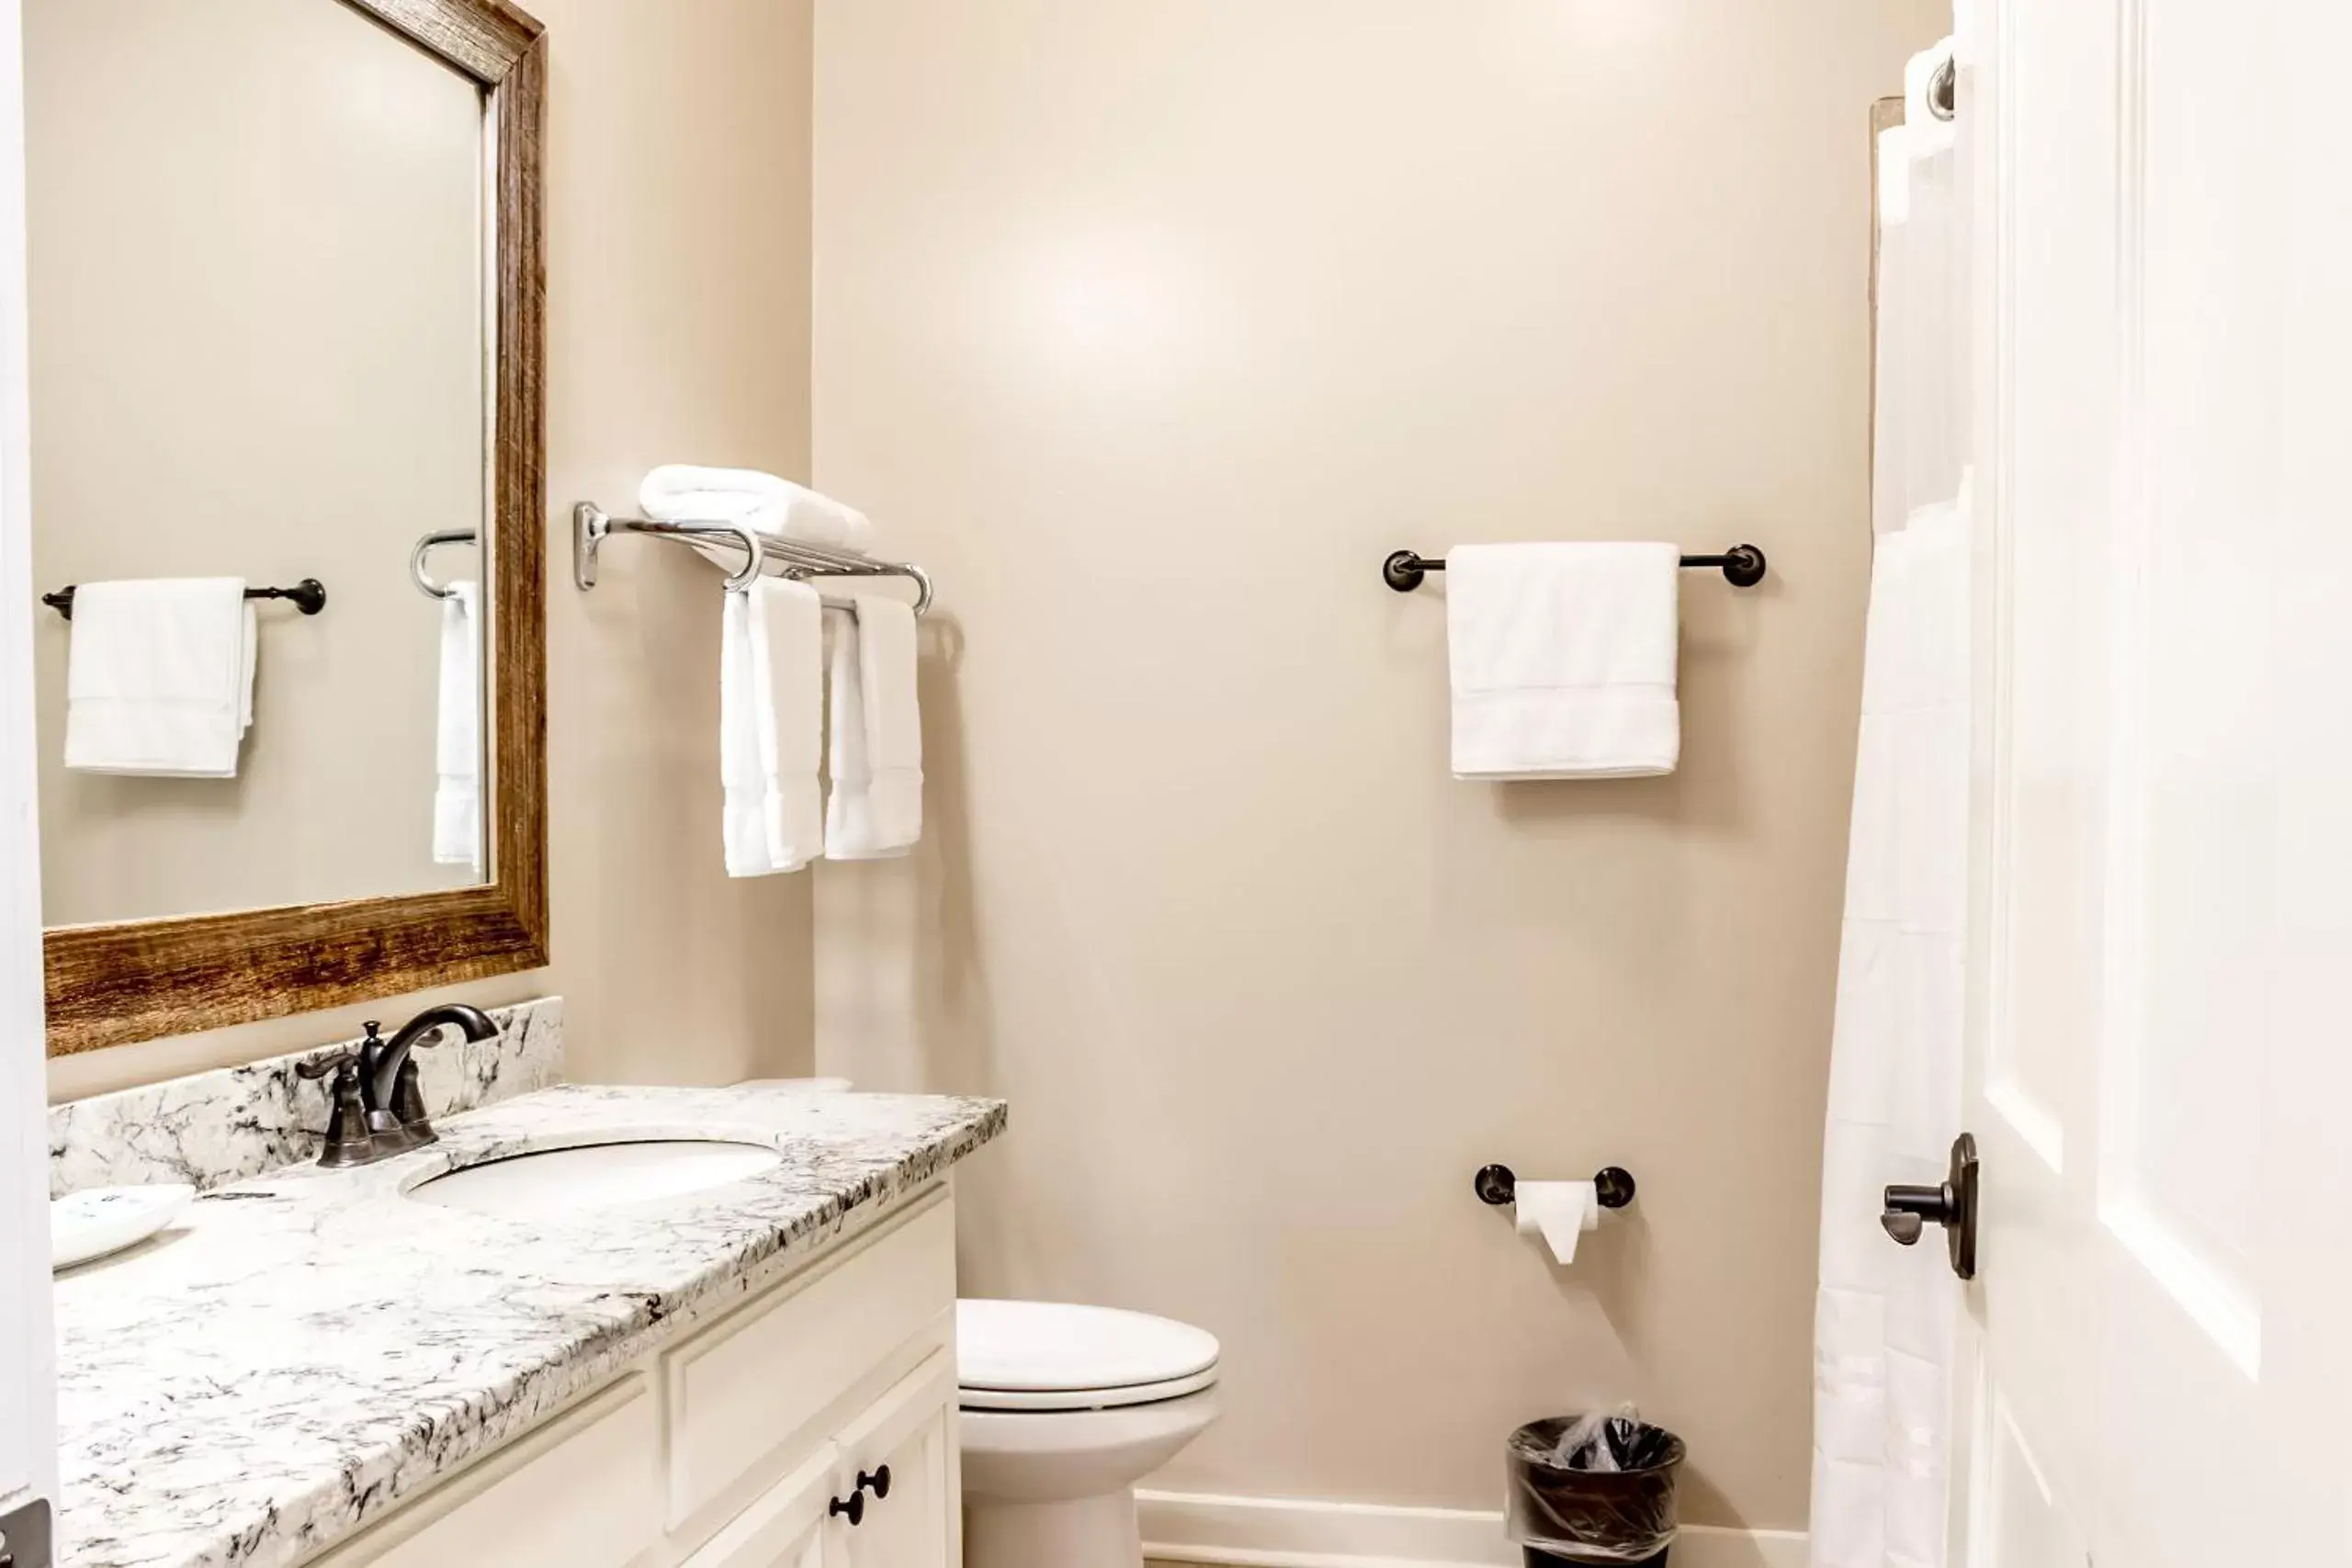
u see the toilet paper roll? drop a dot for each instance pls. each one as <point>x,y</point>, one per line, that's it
<point>1559,1211</point>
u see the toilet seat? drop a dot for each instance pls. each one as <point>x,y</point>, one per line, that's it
<point>1078,1399</point>
<point>1053,1356</point>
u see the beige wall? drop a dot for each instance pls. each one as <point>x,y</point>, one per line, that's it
<point>678,297</point>
<point>1151,327</point>
<point>256,282</point>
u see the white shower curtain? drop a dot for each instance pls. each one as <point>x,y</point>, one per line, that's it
<point>1885,1315</point>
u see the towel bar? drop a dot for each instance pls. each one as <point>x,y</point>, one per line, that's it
<point>310,596</point>
<point>1742,565</point>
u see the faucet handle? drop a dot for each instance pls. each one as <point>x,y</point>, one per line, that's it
<point>333,1062</point>
<point>348,1140</point>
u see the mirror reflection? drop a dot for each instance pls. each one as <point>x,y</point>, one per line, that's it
<point>258,253</point>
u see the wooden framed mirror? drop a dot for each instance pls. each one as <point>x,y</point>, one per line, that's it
<point>288,330</point>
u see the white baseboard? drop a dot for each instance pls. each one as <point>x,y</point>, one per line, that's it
<point>1289,1533</point>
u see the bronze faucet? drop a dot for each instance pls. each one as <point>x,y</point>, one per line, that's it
<point>378,1108</point>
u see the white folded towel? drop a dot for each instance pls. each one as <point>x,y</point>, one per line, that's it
<point>681,492</point>
<point>770,723</point>
<point>457,739</point>
<point>1563,660</point>
<point>875,809</point>
<point>160,678</point>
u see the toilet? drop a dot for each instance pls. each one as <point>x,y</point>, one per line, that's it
<point>1063,1409</point>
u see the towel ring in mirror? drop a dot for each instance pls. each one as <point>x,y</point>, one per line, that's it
<point>425,547</point>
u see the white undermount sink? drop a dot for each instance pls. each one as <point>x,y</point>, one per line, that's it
<point>557,1183</point>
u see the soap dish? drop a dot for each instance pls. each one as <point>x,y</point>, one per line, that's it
<point>104,1220</point>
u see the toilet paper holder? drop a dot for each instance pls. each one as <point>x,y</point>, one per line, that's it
<point>1613,1186</point>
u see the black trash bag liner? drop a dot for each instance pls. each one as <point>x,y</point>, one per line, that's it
<point>1593,1490</point>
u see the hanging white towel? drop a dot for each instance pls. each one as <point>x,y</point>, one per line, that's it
<point>1563,660</point>
<point>875,809</point>
<point>794,806</point>
<point>771,697</point>
<point>742,778</point>
<point>457,741</point>
<point>160,678</point>
<point>682,493</point>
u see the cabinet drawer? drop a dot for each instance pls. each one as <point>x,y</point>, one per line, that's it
<point>583,1492</point>
<point>758,1379</point>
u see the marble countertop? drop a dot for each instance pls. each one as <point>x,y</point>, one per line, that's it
<point>307,1347</point>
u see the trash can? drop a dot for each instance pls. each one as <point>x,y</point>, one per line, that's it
<point>1593,1490</point>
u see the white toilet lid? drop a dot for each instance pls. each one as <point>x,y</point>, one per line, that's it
<point>1051,1355</point>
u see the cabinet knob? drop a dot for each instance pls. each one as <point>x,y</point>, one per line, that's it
<point>879,1482</point>
<point>855,1508</point>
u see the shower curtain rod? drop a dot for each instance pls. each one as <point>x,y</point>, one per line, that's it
<point>1943,90</point>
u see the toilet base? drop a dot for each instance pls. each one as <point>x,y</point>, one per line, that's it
<point>1056,1489</point>
<point>1075,1532</point>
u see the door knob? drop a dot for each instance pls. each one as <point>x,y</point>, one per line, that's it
<point>855,1508</point>
<point>1910,1210</point>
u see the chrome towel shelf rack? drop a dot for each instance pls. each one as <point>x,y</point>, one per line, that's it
<point>763,552</point>
<point>1743,566</point>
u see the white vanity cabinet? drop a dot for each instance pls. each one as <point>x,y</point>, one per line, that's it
<point>811,1426</point>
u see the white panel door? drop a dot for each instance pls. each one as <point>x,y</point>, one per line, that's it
<point>900,1455</point>
<point>27,1416</point>
<point>2161,896</point>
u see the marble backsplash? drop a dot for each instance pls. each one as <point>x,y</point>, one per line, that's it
<point>226,1126</point>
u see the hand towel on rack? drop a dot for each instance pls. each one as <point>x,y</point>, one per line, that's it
<point>457,738</point>
<point>1563,660</point>
<point>875,811</point>
<point>681,492</point>
<point>160,677</point>
<point>771,697</point>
